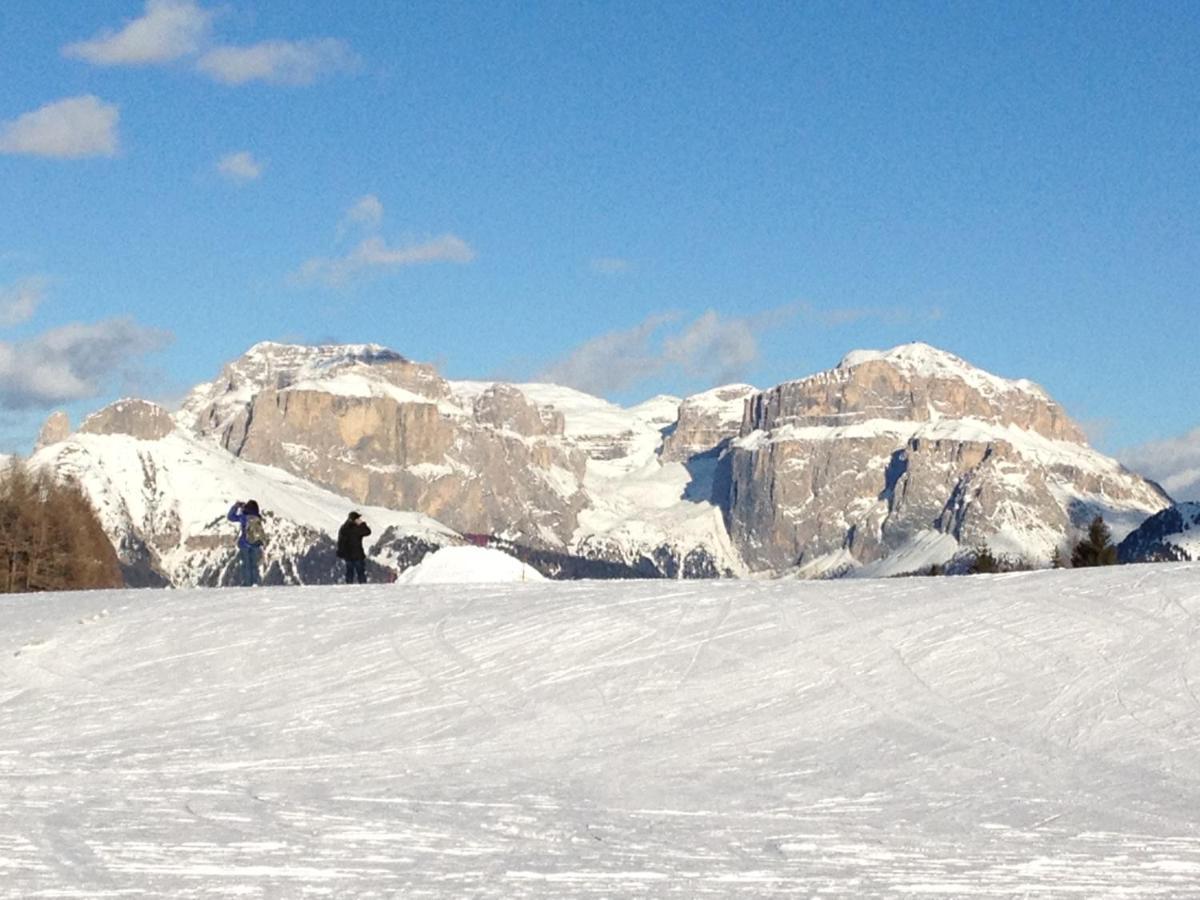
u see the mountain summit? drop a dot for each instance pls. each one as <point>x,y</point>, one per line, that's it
<point>889,462</point>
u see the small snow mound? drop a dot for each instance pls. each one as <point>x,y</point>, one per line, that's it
<point>460,565</point>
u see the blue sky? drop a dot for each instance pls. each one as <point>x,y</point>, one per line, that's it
<point>637,198</point>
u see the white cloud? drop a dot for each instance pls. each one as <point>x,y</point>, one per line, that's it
<point>66,129</point>
<point>240,166</point>
<point>277,62</point>
<point>18,302</point>
<point>711,347</point>
<point>167,30</point>
<point>72,362</point>
<point>367,211</point>
<point>1174,463</point>
<point>374,253</point>
<point>609,265</point>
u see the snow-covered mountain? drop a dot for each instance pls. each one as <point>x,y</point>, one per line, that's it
<point>890,462</point>
<point>1172,534</point>
<point>1032,735</point>
<point>901,458</point>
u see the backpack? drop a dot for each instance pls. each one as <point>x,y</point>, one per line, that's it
<point>255,533</point>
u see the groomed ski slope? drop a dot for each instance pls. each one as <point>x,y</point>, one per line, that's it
<point>1027,735</point>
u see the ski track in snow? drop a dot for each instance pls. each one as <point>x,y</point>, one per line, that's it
<point>1028,735</point>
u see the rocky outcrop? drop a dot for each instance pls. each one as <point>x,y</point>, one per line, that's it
<point>137,418</point>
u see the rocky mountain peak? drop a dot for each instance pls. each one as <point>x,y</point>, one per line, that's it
<point>909,383</point>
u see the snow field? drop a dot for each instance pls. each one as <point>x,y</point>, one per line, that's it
<point>1026,735</point>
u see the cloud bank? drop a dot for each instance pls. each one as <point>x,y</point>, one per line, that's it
<point>73,362</point>
<point>73,128</point>
<point>1174,463</point>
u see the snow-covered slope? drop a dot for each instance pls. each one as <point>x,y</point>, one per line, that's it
<point>164,503</point>
<point>1033,735</point>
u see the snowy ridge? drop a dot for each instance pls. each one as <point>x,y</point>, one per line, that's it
<point>925,360</point>
<point>1030,735</point>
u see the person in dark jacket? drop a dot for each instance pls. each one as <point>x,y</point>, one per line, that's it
<point>249,551</point>
<point>350,547</point>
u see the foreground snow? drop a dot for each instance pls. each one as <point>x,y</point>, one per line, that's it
<point>1033,735</point>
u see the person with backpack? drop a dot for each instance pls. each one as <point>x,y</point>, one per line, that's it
<point>350,547</point>
<point>251,540</point>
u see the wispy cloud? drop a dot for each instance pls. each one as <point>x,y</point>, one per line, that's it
<point>711,347</point>
<point>1174,463</point>
<point>73,128</point>
<point>609,265</point>
<point>277,62</point>
<point>374,253</point>
<point>367,212</point>
<point>167,30</point>
<point>72,362</point>
<point>240,166</point>
<point>18,302</point>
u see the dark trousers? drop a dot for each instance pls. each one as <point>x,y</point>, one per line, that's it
<point>356,568</point>
<point>249,557</point>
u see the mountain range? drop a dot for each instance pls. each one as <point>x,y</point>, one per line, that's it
<point>889,463</point>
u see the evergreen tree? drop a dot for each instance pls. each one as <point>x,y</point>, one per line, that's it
<point>985,563</point>
<point>1056,559</point>
<point>1097,549</point>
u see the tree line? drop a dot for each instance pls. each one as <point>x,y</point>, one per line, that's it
<point>50,536</point>
<point>1093,549</point>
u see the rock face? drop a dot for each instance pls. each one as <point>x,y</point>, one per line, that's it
<point>1172,535</point>
<point>860,461</point>
<point>137,418</point>
<point>370,425</point>
<point>705,420</point>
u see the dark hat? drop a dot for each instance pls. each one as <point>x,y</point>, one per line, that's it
<point>354,515</point>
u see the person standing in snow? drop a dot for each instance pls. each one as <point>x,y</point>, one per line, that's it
<point>251,540</point>
<point>350,547</point>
